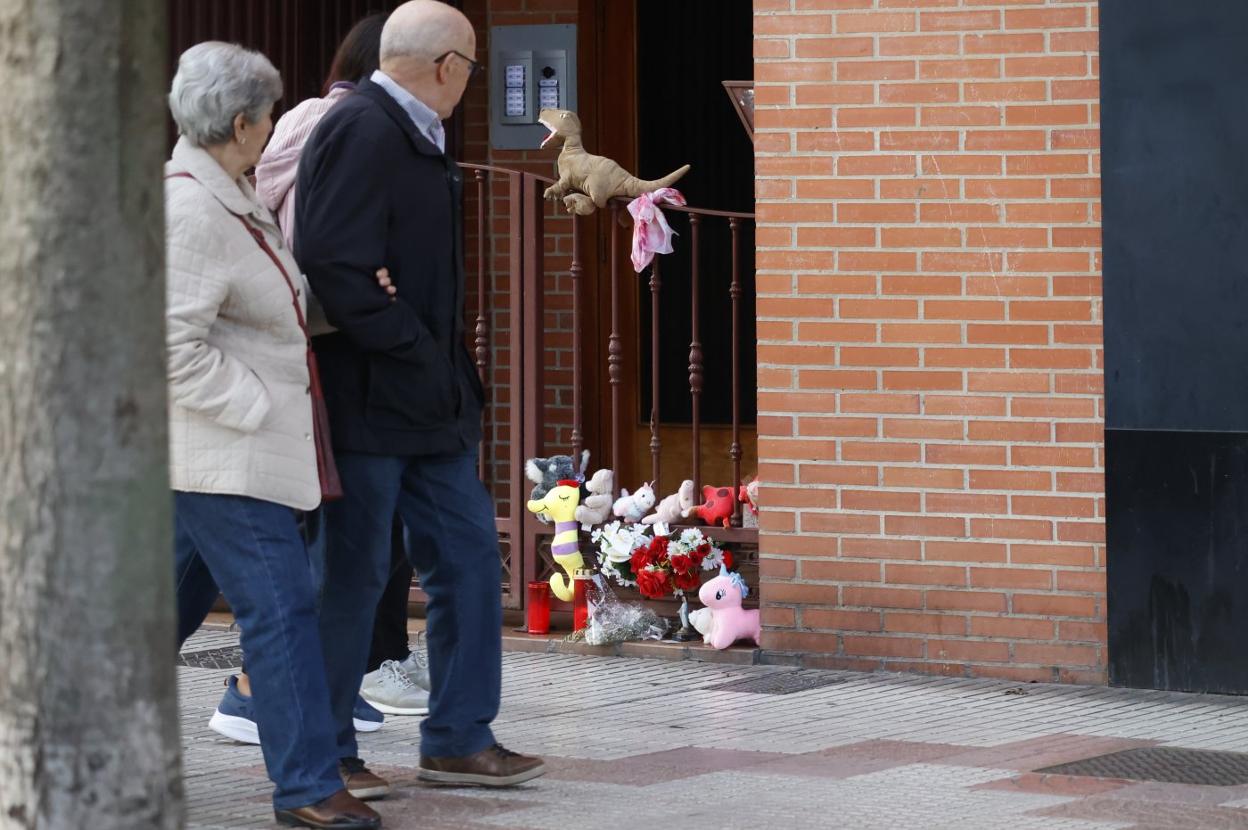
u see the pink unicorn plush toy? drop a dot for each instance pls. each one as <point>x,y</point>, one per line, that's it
<point>729,621</point>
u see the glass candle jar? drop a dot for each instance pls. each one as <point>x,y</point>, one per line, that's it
<point>582,580</point>
<point>538,616</point>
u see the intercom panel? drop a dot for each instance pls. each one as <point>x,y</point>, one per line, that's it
<point>531,68</point>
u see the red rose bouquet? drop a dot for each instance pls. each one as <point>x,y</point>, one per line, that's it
<point>660,564</point>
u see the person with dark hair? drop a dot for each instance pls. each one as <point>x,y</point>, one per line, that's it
<point>355,60</point>
<point>398,676</point>
<point>358,54</point>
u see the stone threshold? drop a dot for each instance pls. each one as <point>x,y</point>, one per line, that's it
<point>521,641</point>
<point>555,643</point>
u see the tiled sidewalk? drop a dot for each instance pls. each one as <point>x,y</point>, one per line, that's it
<point>637,743</point>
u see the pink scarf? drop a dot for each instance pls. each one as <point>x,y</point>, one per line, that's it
<point>651,233</point>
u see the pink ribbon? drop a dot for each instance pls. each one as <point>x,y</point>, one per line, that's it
<point>651,233</point>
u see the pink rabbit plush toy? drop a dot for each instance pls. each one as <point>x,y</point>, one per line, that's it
<point>729,621</point>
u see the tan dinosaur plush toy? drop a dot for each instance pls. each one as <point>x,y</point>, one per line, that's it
<point>587,181</point>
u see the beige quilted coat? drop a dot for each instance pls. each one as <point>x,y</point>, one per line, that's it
<point>240,408</point>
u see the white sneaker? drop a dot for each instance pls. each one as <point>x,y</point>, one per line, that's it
<point>233,717</point>
<point>238,729</point>
<point>417,663</point>
<point>390,690</point>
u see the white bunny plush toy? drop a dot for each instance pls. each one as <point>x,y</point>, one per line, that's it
<point>631,508</point>
<point>672,509</point>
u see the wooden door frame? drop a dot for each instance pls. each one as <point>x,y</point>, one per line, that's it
<point>608,111</point>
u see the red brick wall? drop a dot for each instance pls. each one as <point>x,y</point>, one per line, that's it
<point>929,335</point>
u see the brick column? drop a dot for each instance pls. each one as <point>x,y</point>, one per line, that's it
<point>930,384</point>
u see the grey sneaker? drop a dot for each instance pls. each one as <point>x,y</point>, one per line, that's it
<point>417,663</point>
<point>390,690</point>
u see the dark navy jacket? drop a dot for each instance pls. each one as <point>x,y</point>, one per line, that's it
<point>372,192</point>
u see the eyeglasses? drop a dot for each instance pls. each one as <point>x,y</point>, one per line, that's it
<point>474,67</point>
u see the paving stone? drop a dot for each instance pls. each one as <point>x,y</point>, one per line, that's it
<point>636,742</point>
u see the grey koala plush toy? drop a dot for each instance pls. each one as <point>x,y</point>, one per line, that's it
<point>546,473</point>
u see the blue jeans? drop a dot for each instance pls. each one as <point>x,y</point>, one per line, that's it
<point>390,640</point>
<point>454,548</point>
<point>251,549</point>
<point>312,529</point>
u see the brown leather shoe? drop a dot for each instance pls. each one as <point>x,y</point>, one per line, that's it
<point>364,785</point>
<point>491,767</point>
<point>341,811</point>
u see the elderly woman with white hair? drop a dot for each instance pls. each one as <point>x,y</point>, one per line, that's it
<point>246,448</point>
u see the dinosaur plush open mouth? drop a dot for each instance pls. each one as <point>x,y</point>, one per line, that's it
<point>547,139</point>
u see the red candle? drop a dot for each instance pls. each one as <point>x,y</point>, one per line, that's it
<point>580,604</point>
<point>539,608</point>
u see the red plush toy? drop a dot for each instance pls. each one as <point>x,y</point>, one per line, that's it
<point>717,509</point>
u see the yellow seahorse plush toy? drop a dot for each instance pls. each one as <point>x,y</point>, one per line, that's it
<point>560,504</point>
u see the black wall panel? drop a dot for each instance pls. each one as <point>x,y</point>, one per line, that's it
<point>1175,172</point>
<point>1178,510</point>
<point>1175,195</point>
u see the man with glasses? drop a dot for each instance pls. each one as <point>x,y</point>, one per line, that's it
<point>474,67</point>
<point>376,187</point>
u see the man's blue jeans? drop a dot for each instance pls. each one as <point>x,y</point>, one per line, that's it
<point>252,552</point>
<point>454,547</point>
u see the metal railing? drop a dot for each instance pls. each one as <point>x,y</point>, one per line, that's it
<point>510,216</point>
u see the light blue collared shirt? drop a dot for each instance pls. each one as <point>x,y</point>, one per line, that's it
<point>425,119</point>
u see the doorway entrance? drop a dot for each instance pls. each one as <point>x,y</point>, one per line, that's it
<point>656,101</point>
